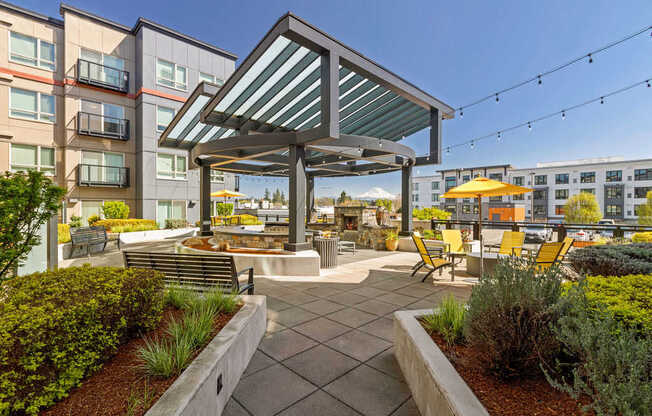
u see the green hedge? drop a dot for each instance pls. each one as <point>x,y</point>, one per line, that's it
<point>613,260</point>
<point>57,327</point>
<point>110,223</point>
<point>628,298</point>
<point>645,237</point>
<point>173,223</point>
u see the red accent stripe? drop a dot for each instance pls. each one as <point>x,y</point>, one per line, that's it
<point>32,77</point>
<point>160,94</point>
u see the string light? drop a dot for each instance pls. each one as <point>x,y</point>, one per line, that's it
<point>648,83</point>
<point>497,99</point>
<point>461,113</point>
<point>472,145</point>
<point>590,59</point>
<point>380,143</point>
<point>448,150</point>
<point>499,139</point>
<point>539,77</point>
<point>601,100</point>
<point>563,114</point>
<point>529,126</point>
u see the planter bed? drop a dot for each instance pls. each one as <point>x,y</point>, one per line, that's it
<point>122,387</point>
<point>447,381</point>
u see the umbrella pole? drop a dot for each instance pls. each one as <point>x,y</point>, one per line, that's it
<point>480,235</point>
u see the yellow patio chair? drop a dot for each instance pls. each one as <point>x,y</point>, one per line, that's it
<point>548,254</point>
<point>453,241</point>
<point>431,258</point>
<point>511,244</point>
<point>568,243</point>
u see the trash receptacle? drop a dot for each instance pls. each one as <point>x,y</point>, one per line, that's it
<point>327,249</point>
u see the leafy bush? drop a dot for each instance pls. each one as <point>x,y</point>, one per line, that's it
<point>56,327</point>
<point>432,235</point>
<point>75,221</point>
<point>385,203</point>
<point>115,210</point>
<point>509,317</point>
<point>430,213</point>
<point>611,364</point>
<point>246,219</point>
<point>131,228</point>
<point>613,260</point>
<point>63,233</point>
<point>27,201</point>
<point>582,208</point>
<point>645,210</point>
<point>93,219</point>
<point>642,237</point>
<point>391,235</point>
<point>224,208</point>
<point>174,223</point>
<point>627,298</point>
<point>111,223</point>
<point>448,320</point>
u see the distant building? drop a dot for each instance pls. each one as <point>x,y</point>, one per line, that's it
<point>620,187</point>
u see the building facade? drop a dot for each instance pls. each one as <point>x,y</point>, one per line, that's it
<point>86,99</point>
<point>620,187</point>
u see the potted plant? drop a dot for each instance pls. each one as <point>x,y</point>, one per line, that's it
<point>391,240</point>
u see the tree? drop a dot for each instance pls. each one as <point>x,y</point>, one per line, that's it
<point>283,200</point>
<point>224,209</point>
<point>386,203</point>
<point>27,201</point>
<point>430,213</point>
<point>276,198</point>
<point>344,198</point>
<point>582,208</point>
<point>644,211</point>
<point>266,194</point>
<point>115,210</point>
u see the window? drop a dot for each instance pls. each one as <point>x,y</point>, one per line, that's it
<point>435,197</point>
<point>89,208</point>
<point>206,77</point>
<point>171,166</point>
<point>520,197</point>
<point>561,193</point>
<point>540,210</point>
<point>25,157</point>
<point>540,179</point>
<point>171,75</point>
<point>539,194</point>
<point>105,159</point>
<point>614,210</point>
<point>495,199</point>
<point>641,192</point>
<point>217,176</point>
<point>518,180</point>
<point>588,190</point>
<point>415,187</point>
<point>451,208</point>
<point>164,116</point>
<point>466,209</point>
<point>110,120</point>
<point>496,176</point>
<point>466,178</point>
<point>614,176</point>
<point>108,69</point>
<point>559,209</point>
<point>170,210</point>
<point>614,192</point>
<point>415,198</point>
<point>434,186</point>
<point>643,174</point>
<point>31,105</point>
<point>451,182</point>
<point>587,177</point>
<point>31,51</point>
<point>561,178</point>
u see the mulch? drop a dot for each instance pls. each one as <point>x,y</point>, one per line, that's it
<point>121,386</point>
<point>529,396</point>
<point>205,245</point>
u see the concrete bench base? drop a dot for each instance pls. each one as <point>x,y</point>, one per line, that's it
<point>437,389</point>
<point>222,361</point>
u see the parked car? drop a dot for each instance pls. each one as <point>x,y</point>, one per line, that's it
<point>606,233</point>
<point>537,234</point>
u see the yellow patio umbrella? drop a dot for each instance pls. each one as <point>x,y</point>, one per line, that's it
<point>482,187</point>
<point>225,193</point>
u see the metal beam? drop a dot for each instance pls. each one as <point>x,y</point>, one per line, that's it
<point>330,94</point>
<point>205,200</point>
<point>406,201</point>
<point>310,196</point>
<point>435,135</point>
<point>297,198</point>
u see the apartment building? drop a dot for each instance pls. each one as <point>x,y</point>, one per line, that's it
<point>620,187</point>
<point>86,101</point>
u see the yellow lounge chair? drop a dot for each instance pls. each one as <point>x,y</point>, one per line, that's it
<point>548,254</point>
<point>511,244</point>
<point>431,257</point>
<point>453,241</point>
<point>568,243</point>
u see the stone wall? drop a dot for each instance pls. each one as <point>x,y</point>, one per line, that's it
<point>262,240</point>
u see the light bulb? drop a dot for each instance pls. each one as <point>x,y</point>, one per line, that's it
<point>563,114</point>
<point>648,83</point>
<point>540,82</point>
<point>601,100</point>
<point>462,111</point>
<point>529,126</point>
<point>448,150</point>
<point>499,139</point>
<point>497,99</point>
<point>590,59</point>
<point>472,144</point>
<point>380,143</point>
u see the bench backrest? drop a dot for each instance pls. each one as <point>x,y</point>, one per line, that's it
<point>88,234</point>
<point>188,269</point>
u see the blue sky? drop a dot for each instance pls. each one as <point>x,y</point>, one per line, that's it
<point>459,51</point>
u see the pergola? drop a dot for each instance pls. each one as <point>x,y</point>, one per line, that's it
<point>303,105</point>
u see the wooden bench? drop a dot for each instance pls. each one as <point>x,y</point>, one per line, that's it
<point>89,236</point>
<point>195,270</point>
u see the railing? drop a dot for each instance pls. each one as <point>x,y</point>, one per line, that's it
<point>102,76</point>
<point>102,126</point>
<point>562,230</point>
<point>97,175</point>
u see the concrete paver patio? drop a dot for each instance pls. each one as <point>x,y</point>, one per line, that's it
<point>328,346</point>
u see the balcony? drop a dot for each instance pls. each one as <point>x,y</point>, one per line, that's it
<point>96,175</point>
<point>102,76</point>
<point>102,126</point>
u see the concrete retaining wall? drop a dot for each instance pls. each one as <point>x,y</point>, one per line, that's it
<point>195,392</point>
<point>437,389</point>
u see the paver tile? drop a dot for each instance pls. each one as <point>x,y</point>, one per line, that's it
<point>351,317</point>
<point>321,365</point>
<point>382,328</point>
<point>322,307</point>
<point>369,391</point>
<point>291,317</point>
<point>284,344</point>
<point>319,403</point>
<point>322,291</point>
<point>271,390</point>
<point>299,298</point>
<point>321,329</point>
<point>277,305</point>
<point>346,298</point>
<point>409,408</point>
<point>421,304</point>
<point>273,326</point>
<point>233,408</point>
<point>258,362</point>
<point>359,345</point>
<point>368,291</point>
<point>377,307</point>
<point>416,290</point>
<point>395,298</point>
<point>386,362</point>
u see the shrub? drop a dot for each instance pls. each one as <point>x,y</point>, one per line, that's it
<point>642,237</point>
<point>115,210</point>
<point>430,213</point>
<point>627,298</point>
<point>224,208</point>
<point>93,219</point>
<point>133,227</point>
<point>109,224</point>
<point>448,320</point>
<point>173,223</point>
<point>645,210</point>
<point>63,233</point>
<point>509,317</point>
<point>582,208</point>
<point>75,221</point>
<point>613,260</point>
<point>246,219</point>
<point>27,201</point>
<point>432,234</point>
<point>612,365</point>
<point>56,327</point>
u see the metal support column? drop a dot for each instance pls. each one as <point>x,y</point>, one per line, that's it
<point>205,201</point>
<point>297,204</point>
<point>310,196</point>
<point>435,135</point>
<point>330,93</point>
<point>406,201</point>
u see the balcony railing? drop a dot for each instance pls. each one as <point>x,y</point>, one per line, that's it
<point>102,126</point>
<point>96,175</point>
<point>102,76</point>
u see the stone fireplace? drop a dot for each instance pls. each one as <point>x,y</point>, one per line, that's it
<point>350,218</point>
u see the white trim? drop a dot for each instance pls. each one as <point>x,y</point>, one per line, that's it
<point>174,74</point>
<point>206,74</point>
<point>38,157</point>
<point>38,52</point>
<point>38,107</point>
<point>174,171</point>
